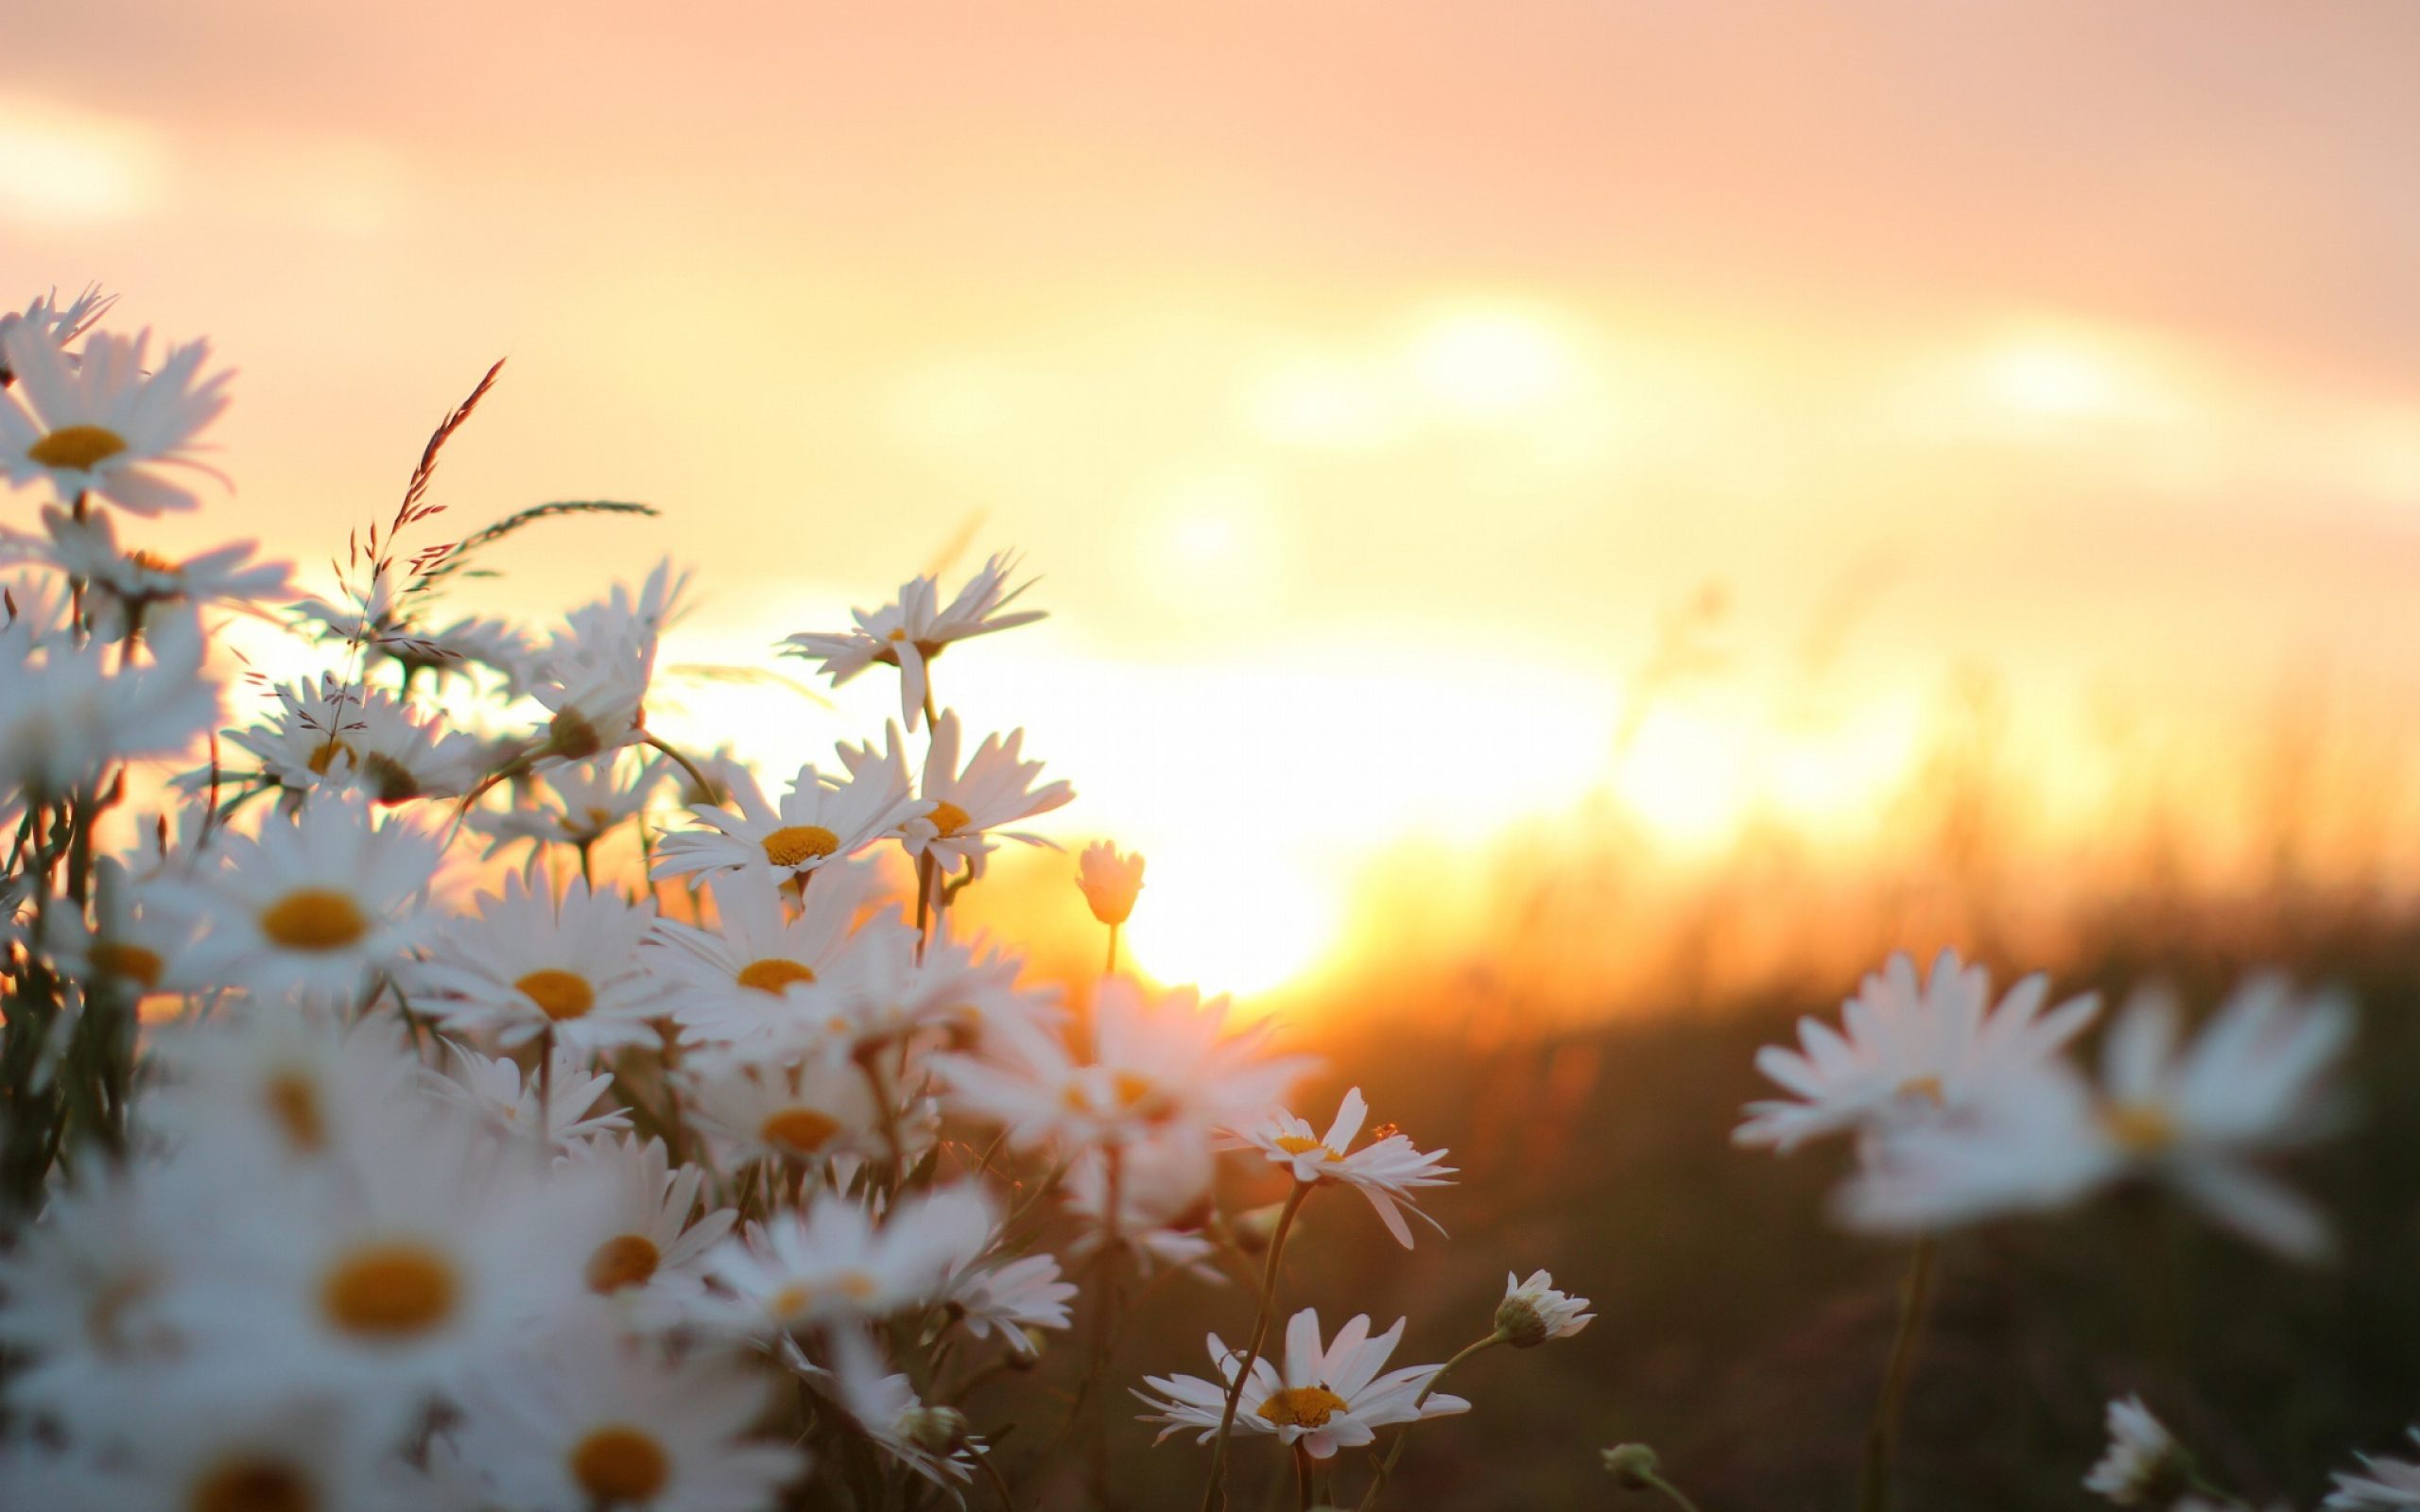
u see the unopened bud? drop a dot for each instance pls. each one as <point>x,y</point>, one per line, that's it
<point>934,1429</point>
<point>1108,881</point>
<point>1632,1465</point>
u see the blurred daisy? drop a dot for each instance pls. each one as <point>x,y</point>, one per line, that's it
<point>317,902</point>
<point>259,1088</point>
<point>82,1291</point>
<point>138,942</point>
<point>588,1422</point>
<point>58,324</point>
<point>102,425</point>
<point>574,803</point>
<point>1012,1296</point>
<point>2383,1485</point>
<point>911,630</point>
<point>200,1447</point>
<point>2193,1118</point>
<point>68,711</point>
<point>1108,881</point>
<point>819,821</point>
<point>492,1088</point>
<point>525,965</point>
<point>1386,1171</point>
<point>1912,1049</point>
<point>385,624</point>
<point>1533,1311</point>
<point>933,1441</point>
<point>833,1262</point>
<point>1162,1199</point>
<point>1328,1397</point>
<point>968,807</point>
<point>121,585</point>
<point>650,1235</point>
<point>2144,1466</point>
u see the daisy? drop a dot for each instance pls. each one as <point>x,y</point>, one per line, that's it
<point>933,1441</point>
<point>267,1086</point>
<point>101,425</point>
<point>68,711</point>
<point>1012,1297</point>
<point>881,994</point>
<point>2383,1485</point>
<point>2194,1118</point>
<point>574,803</point>
<point>966,807</point>
<point>506,1105</point>
<point>1162,1199</point>
<point>833,1262</point>
<point>1913,1050</point>
<point>200,1445</point>
<point>1327,1399</point>
<point>595,675</point>
<point>121,584</point>
<point>2144,1466</point>
<point>139,942</point>
<point>740,978</point>
<point>347,736</point>
<point>1157,1063</point>
<point>1108,881</point>
<point>385,624</point>
<point>765,1103</point>
<point>58,324</point>
<point>1387,1171</point>
<point>589,1420</point>
<point>650,1235</point>
<point>819,821</point>
<point>911,632</point>
<point>317,902</point>
<point>1533,1311</point>
<point>527,964</point>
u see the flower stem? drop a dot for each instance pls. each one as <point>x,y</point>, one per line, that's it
<point>1882,1434</point>
<point>1394,1451</point>
<point>1111,970</point>
<point>1671,1491</point>
<point>705,788</point>
<point>1303,1476</point>
<point>1213,1494</point>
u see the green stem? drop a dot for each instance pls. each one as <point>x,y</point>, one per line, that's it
<point>705,787</point>
<point>1394,1451</point>
<point>1213,1494</point>
<point>1882,1434</point>
<point>1670,1490</point>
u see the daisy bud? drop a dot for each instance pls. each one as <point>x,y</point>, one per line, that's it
<point>1631,1465</point>
<point>1533,1311</point>
<point>934,1429</point>
<point>1110,881</point>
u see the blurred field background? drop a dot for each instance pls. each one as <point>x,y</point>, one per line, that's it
<point>1572,529</point>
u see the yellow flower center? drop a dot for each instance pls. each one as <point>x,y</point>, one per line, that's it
<point>389,1293</point>
<point>620,1466</point>
<point>772,974</point>
<point>558,994</point>
<point>1302,1407</point>
<point>789,1302</point>
<point>947,820</point>
<point>1927,1088</point>
<point>623,1261</point>
<point>105,1318</point>
<point>325,754</point>
<point>1130,1091</point>
<point>293,1102</point>
<point>150,560</point>
<point>250,1485</point>
<point>1303,1145</point>
<point>571,736</point>
<point>794,842</point>
<point>802,1129</point>
<point>2139,1128</point>
<point>76,446</point>
<point>130,962</point>
<point>314,919</point>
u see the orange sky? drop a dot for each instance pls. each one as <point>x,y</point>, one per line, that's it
<point>1368,380</point>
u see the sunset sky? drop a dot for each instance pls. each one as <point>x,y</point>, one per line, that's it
<point>1369,383</point>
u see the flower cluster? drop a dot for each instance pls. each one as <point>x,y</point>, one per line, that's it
<point>489,1104</point>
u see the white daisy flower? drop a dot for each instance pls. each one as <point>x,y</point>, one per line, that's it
<point>101,425</point>
<point>595,675</point>
<point>738,979</point>
<point>139,941</point>
<point>1157,1062</point>
<point>2192,1118</point>
<point>1912,1049</point>
<point>317,902</point>
<point>765,1102</point>
<point>1533,1311</point>
<point>1328,1397</point>
<point>911,630</point>
<point>819,821</point>
<point>1012,1296</point>
<point>68,711</point>
<point>200,1445</point>
<point>122,584</point>
<point>1110,881</point>
<point>2144,1465</point>
<point>2382,1485</point>
<point>1386,1171</point>
<point>1162,1199</point>
<point>574,803</point>
<point>933,1441</point>
<point>340,735</point>
<point>263,1086</point>
<point>527,964</point>
<point>506,1105</point>
<point>650,1235</point>
<point>58,324</point>
<point>967,808</point>
<point>834,1262</point>
<point>589,1420</point>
